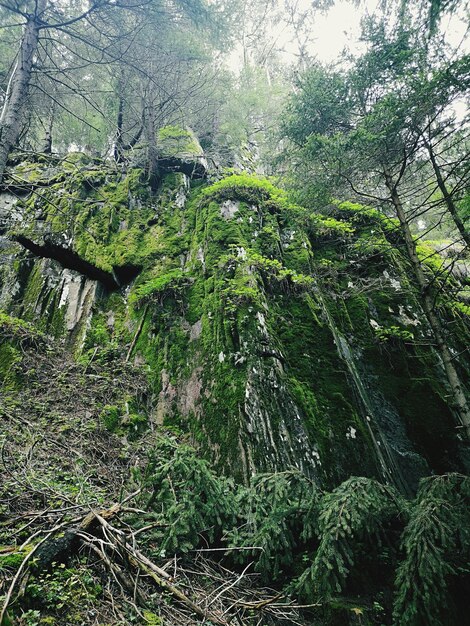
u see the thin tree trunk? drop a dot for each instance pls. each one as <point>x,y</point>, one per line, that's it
<point>152,154</point>
<point>12,115</point>
<point>134,139</point>
<point>47,143</point>
<point>459,401</point>
<point>118,146</point>
<point>447,195</point>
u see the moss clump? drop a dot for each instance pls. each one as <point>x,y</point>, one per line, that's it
<point>321,226</point>
<point>151,619</point>
<point>12,560</point>
<point>429,257</point>
<point>244,186</point>
<point>111,417</point>
<point>158,286</point>
<point>174,141</point>
<point>74,159</point>
<point>16,328</point>
<point>124,419</point>
<point>365,215</point>
<point>15,334</point>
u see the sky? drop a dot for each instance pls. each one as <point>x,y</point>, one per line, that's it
<point>339,28</point>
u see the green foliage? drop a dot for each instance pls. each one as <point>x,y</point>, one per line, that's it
<point>63,588</point>
<point>251,106</point>
<point>277,514</point>
<point>461,308</point>
<point>390,333</point>
<point>437,9</point>
<point>274,268</point>
<point>328,90</point>
<point>280,521</point>
<point>241,290</point>
<point>436,545</point>
<point>352,516</point>
<point>192,502</point>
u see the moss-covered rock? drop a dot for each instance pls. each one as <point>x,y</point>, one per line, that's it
<point>274,335</point>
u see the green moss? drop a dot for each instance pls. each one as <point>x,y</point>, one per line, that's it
<point>124,419</point>
<point>460,307</point>
<point>275,269</point>
<point>32,292</point>
<point>270,257</point>
<point>322,226</point>
<point>11,561</point>
<point>246,187</point>
<point>159,285</point>
<point>151,618</point>
<point>18,328</point>
<point>176,141</point>
<point>55,325</point>
<point>75,158</point>
<point>366,215</point>
<point>429,257</point>
<point>111,417</point>
<point>9,357</point>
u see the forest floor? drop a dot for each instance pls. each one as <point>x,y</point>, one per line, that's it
<point>70,549</point>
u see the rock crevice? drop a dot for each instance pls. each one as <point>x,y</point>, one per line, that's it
<point>112,281</point>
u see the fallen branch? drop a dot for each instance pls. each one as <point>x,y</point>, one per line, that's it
<point>158,575</point>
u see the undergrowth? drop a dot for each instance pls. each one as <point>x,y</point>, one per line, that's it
<point>316,545</point>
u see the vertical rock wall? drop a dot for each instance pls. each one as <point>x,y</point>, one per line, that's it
<point>274,336</point>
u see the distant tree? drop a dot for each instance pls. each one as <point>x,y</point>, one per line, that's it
<point>36,18</point>
<point>65,57</point>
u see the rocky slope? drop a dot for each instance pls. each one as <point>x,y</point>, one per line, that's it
<point>269,336</point>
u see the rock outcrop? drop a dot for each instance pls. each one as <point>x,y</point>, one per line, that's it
<point>276,336</point>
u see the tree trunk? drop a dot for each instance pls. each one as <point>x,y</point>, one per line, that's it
<point>47,142</point>
<point>459,401</point>
<point>118,146</point>
<point>19,84</point>
<point>447,195</point>
<point>152,154</point>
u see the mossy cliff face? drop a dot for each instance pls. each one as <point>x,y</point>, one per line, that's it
<point>276,337</point>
